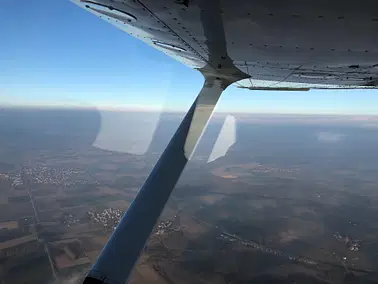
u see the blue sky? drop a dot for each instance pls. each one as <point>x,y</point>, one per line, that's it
<point>54,53</point>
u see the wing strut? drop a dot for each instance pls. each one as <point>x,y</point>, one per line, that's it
<point>124,247</point>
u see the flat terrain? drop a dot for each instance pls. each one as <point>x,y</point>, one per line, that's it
<point>292,201</point>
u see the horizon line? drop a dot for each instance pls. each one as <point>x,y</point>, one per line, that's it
<point>175,111</point>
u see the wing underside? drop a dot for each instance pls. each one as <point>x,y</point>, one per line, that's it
<point>281,45</point>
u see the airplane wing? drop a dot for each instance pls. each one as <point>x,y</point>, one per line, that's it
<point>258,45</point>
<point>282,46</point>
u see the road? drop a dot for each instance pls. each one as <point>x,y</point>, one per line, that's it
<point>265,249</point>
<point>26,182</point>
<point>299,259</point>
<point>231,237</point>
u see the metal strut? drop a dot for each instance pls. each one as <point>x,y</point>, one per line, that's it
<point>127,242</point>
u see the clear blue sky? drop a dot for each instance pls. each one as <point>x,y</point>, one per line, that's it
<point>55,53</point>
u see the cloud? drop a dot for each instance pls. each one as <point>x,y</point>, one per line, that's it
<point>329,137</point>
<point>370,126</point>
